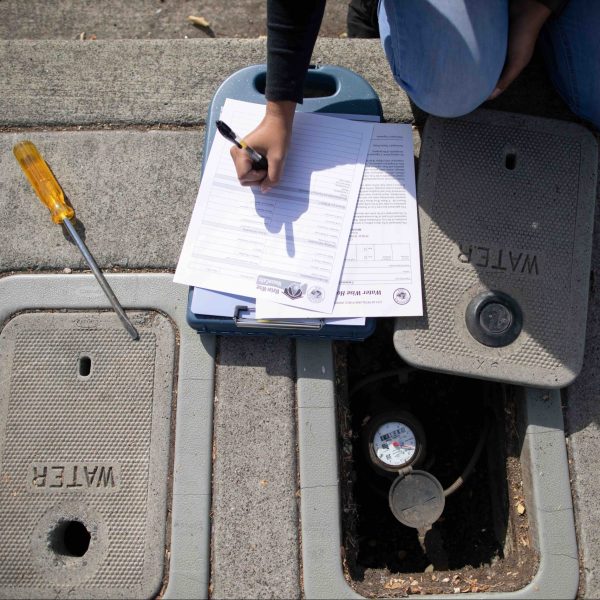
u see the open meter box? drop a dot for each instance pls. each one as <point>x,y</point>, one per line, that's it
<point>327,89</point>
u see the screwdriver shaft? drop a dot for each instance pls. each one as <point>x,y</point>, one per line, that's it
<point>101,279</point>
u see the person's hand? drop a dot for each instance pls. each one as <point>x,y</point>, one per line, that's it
<point>526,20</point>
<point>271,138</point>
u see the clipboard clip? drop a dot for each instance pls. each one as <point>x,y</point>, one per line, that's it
<point>245,317</point>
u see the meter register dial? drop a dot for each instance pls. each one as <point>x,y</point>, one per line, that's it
<point>394,440</point>
<point>395,443</point>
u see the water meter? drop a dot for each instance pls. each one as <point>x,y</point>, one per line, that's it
<point>395,440</point>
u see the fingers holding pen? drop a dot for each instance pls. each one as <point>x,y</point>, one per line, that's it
<point>276,162</point>
<point>270,139</point>
<point>246,174</point>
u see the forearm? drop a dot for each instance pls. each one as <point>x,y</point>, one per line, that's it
<point>292,28</point>
<point>527,17</point>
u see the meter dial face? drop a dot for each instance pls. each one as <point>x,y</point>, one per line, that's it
<point>394,443</point>
<point>394,440</point>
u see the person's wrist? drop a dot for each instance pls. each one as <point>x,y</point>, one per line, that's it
<point>281,110</point>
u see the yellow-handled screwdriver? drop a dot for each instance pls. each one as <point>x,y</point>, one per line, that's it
<point>51,194</point>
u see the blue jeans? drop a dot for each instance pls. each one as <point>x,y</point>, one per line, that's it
<point>448,54</point>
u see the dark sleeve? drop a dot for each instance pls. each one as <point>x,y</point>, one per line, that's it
<point>292,29</point>
<point>553,5</point>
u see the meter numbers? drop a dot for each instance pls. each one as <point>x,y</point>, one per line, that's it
<point>394,443</point>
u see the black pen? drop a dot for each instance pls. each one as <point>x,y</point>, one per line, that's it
<point>259,162</point>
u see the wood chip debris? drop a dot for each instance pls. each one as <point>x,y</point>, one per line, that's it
<point>199,21</point>
<point>411,586</point>
<point>470,585</point>
<point>395,583</point>
<point>521,508</point>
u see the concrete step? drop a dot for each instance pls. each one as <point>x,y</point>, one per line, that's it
<point>133,82</point>
<point>133,193</point>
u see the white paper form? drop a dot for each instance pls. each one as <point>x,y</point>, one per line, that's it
<point>382,270</point>
<point>225,237</point>
<point>244,242</point>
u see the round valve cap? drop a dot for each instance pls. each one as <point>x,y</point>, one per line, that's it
<point>494,319</point>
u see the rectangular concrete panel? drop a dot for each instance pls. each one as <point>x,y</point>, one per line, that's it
<point>255,515</point>
<point>133,193</point>
<point>506,211</point>
<point>85,422</point>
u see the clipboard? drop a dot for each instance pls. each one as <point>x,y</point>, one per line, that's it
<point>327,89</point>
<point>241,318</point>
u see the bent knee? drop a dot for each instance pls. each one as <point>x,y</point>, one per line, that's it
<point>453,99</point>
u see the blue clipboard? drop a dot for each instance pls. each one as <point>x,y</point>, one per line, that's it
<point>327,89</point>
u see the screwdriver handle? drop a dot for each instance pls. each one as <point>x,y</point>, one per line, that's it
<point>43,181</point>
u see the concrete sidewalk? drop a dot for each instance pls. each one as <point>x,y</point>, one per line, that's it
<point>122,124</point>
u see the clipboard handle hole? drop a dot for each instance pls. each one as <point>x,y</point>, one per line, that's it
<point>316,84</point>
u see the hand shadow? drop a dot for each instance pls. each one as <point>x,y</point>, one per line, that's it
<point>307,175</point>
<point>279,208</point>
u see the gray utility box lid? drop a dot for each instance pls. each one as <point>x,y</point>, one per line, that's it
<point>85,430</point>
<point>506,205</point>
